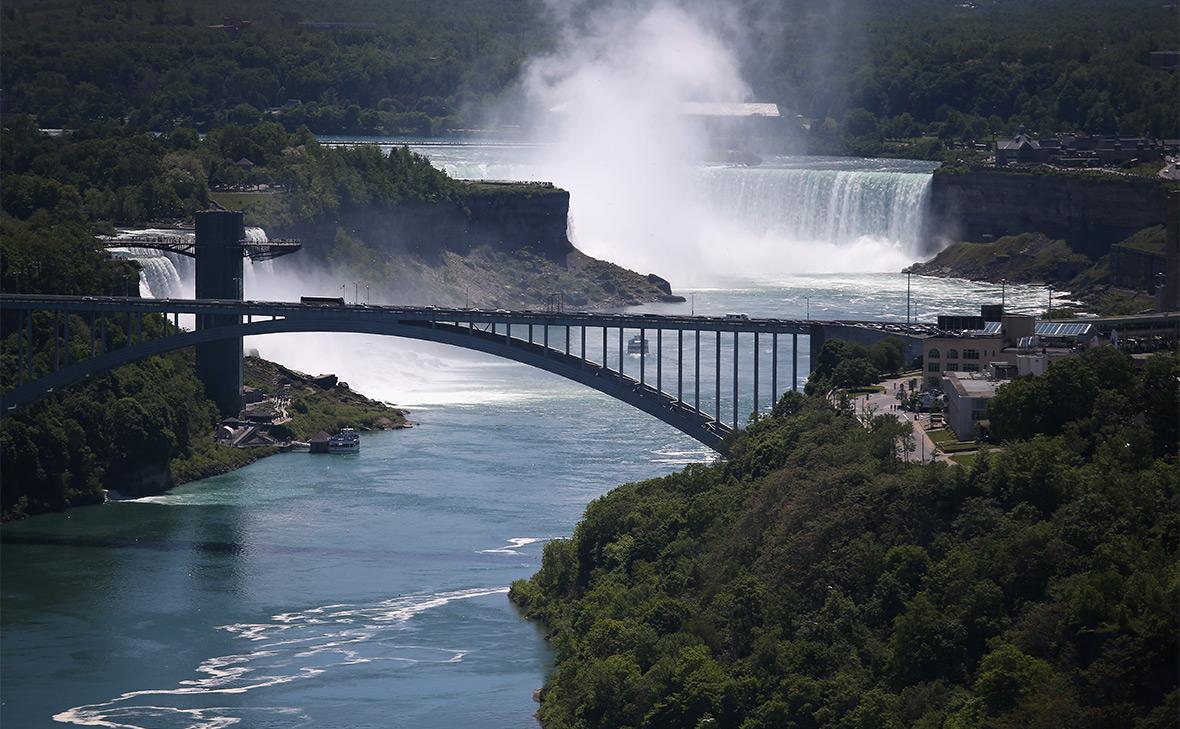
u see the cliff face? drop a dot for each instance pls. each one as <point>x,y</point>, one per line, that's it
<point>1091,213</point>
<point>504,217</point>
<point>503,245</point>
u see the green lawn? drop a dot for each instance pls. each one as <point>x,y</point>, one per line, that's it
<point>966,459</point>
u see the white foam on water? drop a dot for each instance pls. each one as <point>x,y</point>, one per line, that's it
<point>514,545</point>
<point>290,647</point>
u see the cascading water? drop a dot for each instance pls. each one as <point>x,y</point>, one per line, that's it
<point>787,215</point>
<point>163,275</point>
<point>255,273</point>
<point>805,203</point>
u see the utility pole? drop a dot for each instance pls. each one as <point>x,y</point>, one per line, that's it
<point>908,276</point>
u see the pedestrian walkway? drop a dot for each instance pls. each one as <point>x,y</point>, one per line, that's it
<point>886,403</point>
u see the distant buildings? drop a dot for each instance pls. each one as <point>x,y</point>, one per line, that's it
<point>1016,343</point>
<point>1078,150</point>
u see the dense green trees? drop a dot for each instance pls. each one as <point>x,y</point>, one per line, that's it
<point>121,430</point>
<point>814,580</point>
<point>843,363</point>
<point>864,73</point>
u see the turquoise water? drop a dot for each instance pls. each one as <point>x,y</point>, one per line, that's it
<point>365,590</point>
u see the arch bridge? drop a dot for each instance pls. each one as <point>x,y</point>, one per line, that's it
<point>651,362</point>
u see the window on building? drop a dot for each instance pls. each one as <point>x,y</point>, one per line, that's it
<point>934,367</point>
<point>952,354</point>
<point>933,354</point>
<point>951,367</point>
<point>970,367</point>
<point>970,354</point>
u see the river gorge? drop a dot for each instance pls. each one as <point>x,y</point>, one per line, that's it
<point>281,593</point>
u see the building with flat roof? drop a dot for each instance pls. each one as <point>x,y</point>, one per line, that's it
<point>1018,340</point>
<point>967,396</point>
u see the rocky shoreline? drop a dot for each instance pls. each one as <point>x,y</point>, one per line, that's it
<point>1034,258</point>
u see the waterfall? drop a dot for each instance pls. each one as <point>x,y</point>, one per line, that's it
<point>256,273</point>
<point>162,275</point>
<point>785,215</point>
<point>831,206</point>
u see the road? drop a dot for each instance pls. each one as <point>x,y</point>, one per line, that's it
<point>886,403</point>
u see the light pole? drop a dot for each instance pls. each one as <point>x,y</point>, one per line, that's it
<point>692,297</point>
<point>808,307</point>
<point>908,276</point>
<point>1050,314</point>
<point>1003,294</point>
<point>366,293</point>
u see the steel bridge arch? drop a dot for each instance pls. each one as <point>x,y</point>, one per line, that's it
<point>648,399</point>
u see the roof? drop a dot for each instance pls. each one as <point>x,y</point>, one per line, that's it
<point>320,437</point>
<point>1049,328</point>
<point>973,384</point>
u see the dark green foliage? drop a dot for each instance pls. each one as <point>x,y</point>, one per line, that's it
<point>850,364</point>
<point>868,74</point>
<point>814,580</point>
<point>1098,398</point>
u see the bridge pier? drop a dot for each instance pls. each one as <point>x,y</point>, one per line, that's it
<point>219,276</point>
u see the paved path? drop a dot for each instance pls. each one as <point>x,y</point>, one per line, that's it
<point>886,403</point>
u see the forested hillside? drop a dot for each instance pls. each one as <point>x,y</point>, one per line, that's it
<point>815,580</point>
<point>863,71</point>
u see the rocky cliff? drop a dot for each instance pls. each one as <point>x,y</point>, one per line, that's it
<point>1090,211</point>
<point>504,244</point>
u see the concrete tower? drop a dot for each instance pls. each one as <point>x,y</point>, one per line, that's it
<point>219,276</point>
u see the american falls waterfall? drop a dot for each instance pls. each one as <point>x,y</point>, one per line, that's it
<point>162,275</point>
<point>165,275</point>
<point>256,273</point>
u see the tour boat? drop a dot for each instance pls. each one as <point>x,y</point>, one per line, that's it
<point>637,345</point>
<point>346,441</point>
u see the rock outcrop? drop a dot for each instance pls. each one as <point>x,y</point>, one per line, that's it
<point>1090,211</point>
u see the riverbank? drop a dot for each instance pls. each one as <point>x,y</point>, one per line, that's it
<point>1112,284</point>
<point>816,578</point>
<point>316,403</point>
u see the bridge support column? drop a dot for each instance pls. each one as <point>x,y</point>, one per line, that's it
<point>642,355</point>
<point>795,362</point>
<point>756,355</point>
<point>680,365</point>
<point>659,360</point>
<point>773,370</point>
<point>219,276</point>
<point>717,382</point>
<point>735,380</point>
<point>696,375</point>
